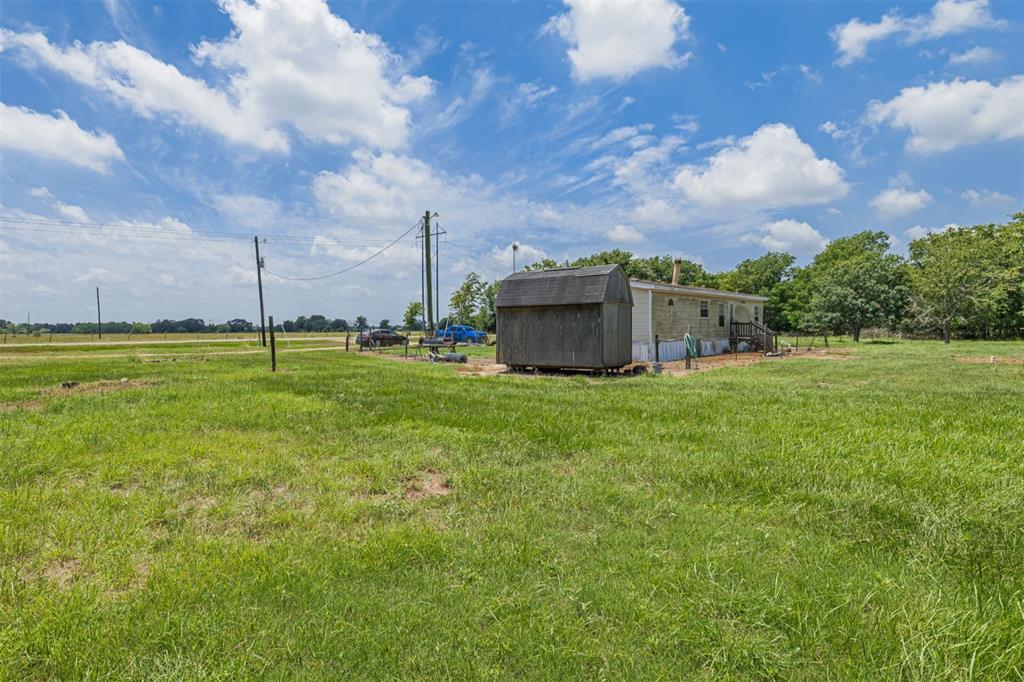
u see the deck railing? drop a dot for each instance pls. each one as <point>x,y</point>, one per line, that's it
<point>762,337</point>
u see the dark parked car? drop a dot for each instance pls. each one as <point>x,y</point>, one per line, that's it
<point>381,337</point>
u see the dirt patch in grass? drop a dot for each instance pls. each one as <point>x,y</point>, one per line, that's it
<point>989,360</point>
<point>62,572</point>
<point>123,488</point>
<point>198,504</point>
<point>13,405</point>
<point>427,483</point>
<point>71,387</point>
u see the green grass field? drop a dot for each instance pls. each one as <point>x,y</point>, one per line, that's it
<point>353,516</point>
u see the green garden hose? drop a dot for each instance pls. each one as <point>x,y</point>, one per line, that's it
<point>691,345</point>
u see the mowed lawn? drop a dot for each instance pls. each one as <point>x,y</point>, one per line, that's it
<point>353,516</point>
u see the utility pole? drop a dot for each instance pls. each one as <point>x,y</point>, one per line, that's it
<point>426,252</point>
<point>423,292</point>
<point>99,319</point>
<point>515,248</point>
<point>259,283</point>
<point>437,274</point>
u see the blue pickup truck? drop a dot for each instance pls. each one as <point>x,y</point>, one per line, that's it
<point>462,333</point>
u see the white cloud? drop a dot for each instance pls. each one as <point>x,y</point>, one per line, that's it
<point>985,197</point>
<point>975,55</point>
<point>919,231</point>
<point>529,94</point>
<point>829,128</point>
<point>248,210</point>
<point>771,168</point>
<point>285,64</point>
<point>619,39</point>
<point>947,17</point>
<point>525,255</point>
<point>56,137</point>
<point>380,187</point>
<point>620,135</point>
<point>795,237</point>
<point>945,115</point>
<point>72,212</point>
<point>295,62</point>
<point>381,194</point>
<point>896,202</point>
<point>624,234</point>
<point>69,211</point>
<point>688,124</point>
<point>853,38</point>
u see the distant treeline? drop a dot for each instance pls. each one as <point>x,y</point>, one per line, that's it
<point>191,325</point>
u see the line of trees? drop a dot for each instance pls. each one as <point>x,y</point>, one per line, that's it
<point>963,281</point>
<point>191,325</point>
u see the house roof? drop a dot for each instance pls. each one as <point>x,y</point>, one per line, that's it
<point>565,286</point>
<point>695,292</point>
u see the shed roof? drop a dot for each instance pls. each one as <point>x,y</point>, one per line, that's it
<point>565,286</point>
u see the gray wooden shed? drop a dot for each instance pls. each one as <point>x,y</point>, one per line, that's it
<point>565,318</point>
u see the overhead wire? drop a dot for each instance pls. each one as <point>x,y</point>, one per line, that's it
<point>351,267</point>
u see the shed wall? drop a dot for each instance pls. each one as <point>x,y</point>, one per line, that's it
<point>617,321</point>
<point>551,336</point>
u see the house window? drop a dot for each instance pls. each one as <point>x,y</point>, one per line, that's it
<point>757,313</point>
<point>721,314</point>
<point>703,308</point>
<point>671,302</point>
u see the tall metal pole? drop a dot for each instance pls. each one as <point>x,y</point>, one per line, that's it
<point>426,252</point>
<point>423,292</point>
<point>437,274</point>
<point>99,319</point>
<point>259,283</point>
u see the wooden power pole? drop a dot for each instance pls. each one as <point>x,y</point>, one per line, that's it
<point>259,283</point>
<point>426,252</point>
<point>99,319</point>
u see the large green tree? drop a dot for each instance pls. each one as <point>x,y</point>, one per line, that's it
<point>954,274</point>
<point>853,284</point>
<point>465,300</point>
<point>486,316</point>
<point>413,317</point>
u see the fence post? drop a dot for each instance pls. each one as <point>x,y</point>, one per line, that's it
<point>273,346</point>
<point>657,355</point>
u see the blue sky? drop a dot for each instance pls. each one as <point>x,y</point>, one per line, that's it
<point>715,131</point>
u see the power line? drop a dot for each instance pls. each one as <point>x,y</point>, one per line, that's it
<point>352,267</point>
<point>146,232</point>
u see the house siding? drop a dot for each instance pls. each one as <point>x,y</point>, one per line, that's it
<point>683,316</point>
<point>641,316</point>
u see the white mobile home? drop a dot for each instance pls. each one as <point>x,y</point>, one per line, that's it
<point>715,318</point>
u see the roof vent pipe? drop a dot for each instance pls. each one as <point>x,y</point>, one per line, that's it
<point>677,265</point>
